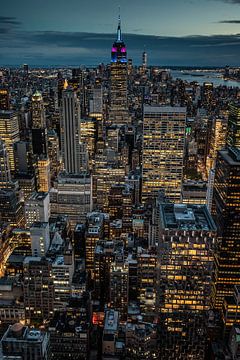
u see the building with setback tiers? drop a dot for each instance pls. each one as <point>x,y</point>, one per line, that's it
<point>118,113</point>
<point>72,153</point>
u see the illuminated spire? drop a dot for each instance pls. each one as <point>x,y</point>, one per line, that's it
<point>65,86</point>
<point>119,32</point>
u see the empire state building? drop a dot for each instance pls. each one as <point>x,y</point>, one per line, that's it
<point>118,114</point>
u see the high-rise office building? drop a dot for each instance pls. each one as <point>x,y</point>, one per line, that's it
<point>119,286</point>
<point>37,208</point>
<point>25,69</point>
<point>39,131</point>
<point>146,280</point>
<point>38,288</point>
<point>9,133</point>
<point>163,151</point>
<point>38,112</point>
<point>105,253</point>
<point>62,271</point>
<point>53,152</point>
<point>4,99</point>
<point>94,233</point>
<point>96,101</point>
<point>70,333</point>
<point>88,136</point>
<point>219,135</point>
<point>186,238</point>
<point>216,141</point>
<point>23,157</point>
<point>70,132</point>
<point>226,210</point>
<point>72,196</point>
<point>39,141</point>
<point>26,184</point>
<point>231,311</point>
<point>5,173</point>
<point>118,113</point>
<point>43,174</point>
<point>40,240</point>
<point>144,59</point>
<point>207,94</point>
<point>233,130</point>
<point>11,209</point>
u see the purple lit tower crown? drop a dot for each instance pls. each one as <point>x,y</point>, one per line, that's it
<point>119,51</point>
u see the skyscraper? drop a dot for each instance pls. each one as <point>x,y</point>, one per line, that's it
<point>38,288</point>
<point>144,59</point>
<point>5,174</point>
<point>163,151</point>
<point>38,113</point>
<point>39,132</point>
<point>23,157</point>
<point>233,131</point>
<point>53,152</point>
<point>4,99</point>
<point>186,237</point>
<point>226,209</point>
<point>70,131</point>
<point>43,174</point>
<point>9,133</point>
<point>118,81</point>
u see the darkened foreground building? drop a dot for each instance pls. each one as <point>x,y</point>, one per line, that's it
<point>22,343</point>
<point>69,332</point>
<point>186,237</point>
<point>11,209</point>
<point>38,289</point>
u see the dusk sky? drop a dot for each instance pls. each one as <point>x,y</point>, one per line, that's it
<point>74,32</point>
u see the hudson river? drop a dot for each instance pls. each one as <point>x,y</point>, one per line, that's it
<point>213,77</point>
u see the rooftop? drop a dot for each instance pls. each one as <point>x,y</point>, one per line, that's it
<point>186,217</point>
<point>38,196</point>
<point>39,225</point>
<point>111,321</point>
<point>6,113</point>
<point>163,109</point>
<point>227,156</point>
<point>18,332</point>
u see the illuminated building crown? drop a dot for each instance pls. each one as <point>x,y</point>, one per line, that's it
<point>119,51</point>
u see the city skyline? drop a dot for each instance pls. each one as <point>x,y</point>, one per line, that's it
<point>191,33</point>
<point>120,180</point>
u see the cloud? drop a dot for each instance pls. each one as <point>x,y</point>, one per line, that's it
<point>75,48</point>
<point>9,20</point>
<point>229,22</point>
<point>231,1</point>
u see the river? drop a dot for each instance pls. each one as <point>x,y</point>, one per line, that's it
<point>213,77</point>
